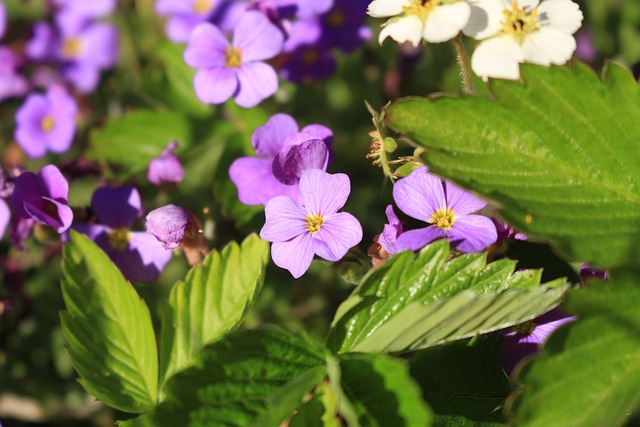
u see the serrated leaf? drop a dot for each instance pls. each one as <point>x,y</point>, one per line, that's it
<point>131,141</point>
<point>558,151</point>
<point>211,301</point>
<point>252,377</point>
<point>417,302</point>
<point>588,373</point>
<point>108,329</point>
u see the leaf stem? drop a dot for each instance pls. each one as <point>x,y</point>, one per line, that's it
<point>463,63</point>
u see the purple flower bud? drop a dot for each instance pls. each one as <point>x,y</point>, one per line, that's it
<point>173,226</point>
<point>166,168</point>
<point>43,197</point>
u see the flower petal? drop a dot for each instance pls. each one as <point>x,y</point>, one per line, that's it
<point>206,48</point>
<point>406,29</point>
<point>548,46</point>
<point>116,207</point>
<point>285,219</point>
<point>562,15</point>
<point>420,194</point>
<point>485,19</point>
<point>289,165</point>
<point>338,234</point>
<point>144,259</point>
<point>256,183</point>
<point>268,139</point>
<point>215,85</point>
<point>498,57</point>
<point>417,239</point>
<point>386,8</point>
<point>462,202</point>
<point>53,184</point>
<point>257,81</point>
<point>295,255</point>
<point>256,37</point>
<point>179,27</point>
<point>323,193</point>
<point>446,21</point>
<point>472,233</point>
<point>5,216</point>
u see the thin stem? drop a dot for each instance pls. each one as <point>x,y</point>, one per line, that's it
<point>463,63</point>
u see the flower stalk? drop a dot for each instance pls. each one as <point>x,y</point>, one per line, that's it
<point>463,63</point>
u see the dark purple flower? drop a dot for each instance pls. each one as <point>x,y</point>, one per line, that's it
<point>506,232</point>
<point>44,43</point>
<point>391,231</point>
<point>46,122</point>
<point>284,155</point>
<point>166,168</point>
<point>308,59</point>
<point>43,197</point>
<point>305,9</point>
<point>447,209</point>
<point>527,338</point>
<point>587,273</point>
<point>235,70</point>
<point>298,231</point>
<point>20,231</point>
<point>12,84</point>
<point>5,216</point>
<point>344,25</point>
<point>138,255</point>
<point>171,225</point>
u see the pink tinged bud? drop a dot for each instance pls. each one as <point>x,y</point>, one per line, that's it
<point>166,168</point>
<point>173,226</point>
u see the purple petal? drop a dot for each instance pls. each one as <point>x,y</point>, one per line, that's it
<point>3,24</point>
<point>83,76</point>
<point>101,46</point>
<point>206,48</point>
<point>289,165</point>
<point>29,134</point>
<point>144,259</point>
<point>294,255</point>
<point>5,216</point>
<point>419,195</point>
<point>339,233</point>
<point>92,231</point>
<point>53,184</point>
<point>179,27</point>
<point>26,190</point>
<point>322,193</point>
<point>320,131</point>
<point>166,168</point>
<point>116,207</point>
<point>256,37</point>
<point>63,110</point>
<point>462,202</point>
<point>257,82</point>
<point>391,231</point>
<point>285,219</point>
<point>587,273</point>
<point>256,183</point>
<point>20,231</point>
<point>269,138</point>
<point>472,233</point>
<point>417,239</point>
<point>44,42</point>
<point>167,7</point>
<point>215,85</point>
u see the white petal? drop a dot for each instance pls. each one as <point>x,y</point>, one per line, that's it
<point>548,46</point>
<point>529,4</point>
<point>498,57</point>
<point>446,21</point>
<point>386,8</point>
<point>563,15</point>
<point>485,20</point>
<point>405,29</point>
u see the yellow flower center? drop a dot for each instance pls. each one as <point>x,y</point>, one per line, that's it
<point>443,218</point>
<point>314,223</point>
<point>71,47</point>
<point>420,8</point>
<point>525,328</point>
<point>119,238</point>
<point>336,18</point>
<point>520,21</point>
<point>201,6</point>
<point>47,124</point>
<point>233,57</point>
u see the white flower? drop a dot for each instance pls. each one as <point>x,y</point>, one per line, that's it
<point>521,31</point>
<point>435,21</point>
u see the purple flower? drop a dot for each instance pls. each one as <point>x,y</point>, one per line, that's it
<point>308,59</point>
<point>185,15</point>
<point>235,70</point>
<point>171,225</point>
<point>305,9</point>
<point>585,46</point>
<point>43,197</point>
<point>447,209</point>
<point>44,43</point>
<point>5,216</point>
<point>284,155</point>
<point>298,231</point>
<point>12,84</point>
<point>87,9</point>
<point>138,255</point>
<point>506,232</point>
<point>46,122</point>
<point>390,232</point>
<point>166,168</point>
<point>3,19</point>
<point>344,25</point>
<point>587,273</point>
<point>527,338</point>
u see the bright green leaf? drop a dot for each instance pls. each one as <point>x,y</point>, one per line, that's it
<point>417,302</point>
<point>593,363</point>
<point>558,151</point>
<point>212,301</point>
<point>108,329</point>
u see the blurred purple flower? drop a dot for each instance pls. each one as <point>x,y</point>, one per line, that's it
<point>12,84</point>
<point>184,16</point>
<point>83,10</point>
<point>5,216</point>
<point>298,231</point>
<point>43,197</point>
<point>284,154</point>
<point>44,43</point>
<point>307,58</point>
<point>171,225</point>
<point>46,122</point>
<point>585,46</point>
<point>526,339</point>
<point>447,209</point>
<point>587,273</point>
<point>305,9</point>
<point>20,231</point>
<point>3,18</point>
<point>166,168</point>
<point>138,255</point>
<point>344,25</point>
<point>235,70</point>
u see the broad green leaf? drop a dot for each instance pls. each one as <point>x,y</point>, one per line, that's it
<point>416,302</point>
<point>558,151</point>
<point>382,392</point>
<point>462,382</point>
<point>588,373</point>
<point>131,141</point>
<point>252,377</point>
<point>108,329</point>
<point>211,301</point>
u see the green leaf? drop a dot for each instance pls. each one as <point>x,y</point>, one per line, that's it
<point>557,151</point>
<point>382,393</point>
<point>131,141</point>
<point>108,329</point>
<point>588,373</point>
<point>416,302</point>
<point>212,301</point>
<point>253,377</point>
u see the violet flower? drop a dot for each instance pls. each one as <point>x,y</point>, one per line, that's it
<point>43,198</point>
<point>384,244</point>
<point>284,155</point>
<point>185,15</point>
<point>298,231</point>
<point>506,232</point>
<point>138,255</point>
<point>447,209</point>
<point>166,168</point>
<point>12,83</point>
<point>344,25</point>
<point>527,338</point>
<point>308,59</point>
<point>235,70</point>
<point>171,225</point>
<point>305,9</point>
<point>46,122</point>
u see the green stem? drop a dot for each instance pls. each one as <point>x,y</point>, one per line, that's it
<point>463,63</point>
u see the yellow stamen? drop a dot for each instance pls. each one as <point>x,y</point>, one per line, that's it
<point>119,238</point>
<point>72,47</point>
<point>443,218</point>
<point>47,124</point>
<point>520,21</point>
<point>233,57</point>
<point>201,6</point>
<point>421,8</point>
<point>314,223</point>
